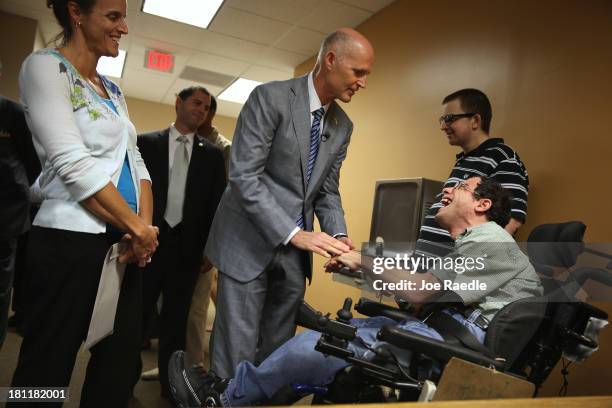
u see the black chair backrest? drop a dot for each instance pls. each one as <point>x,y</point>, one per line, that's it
<point>513,327</point>
<point>556,244</point>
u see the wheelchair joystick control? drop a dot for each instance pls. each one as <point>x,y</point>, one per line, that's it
<point>344,314</point>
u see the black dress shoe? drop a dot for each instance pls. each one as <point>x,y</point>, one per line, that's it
<point>191,385</point>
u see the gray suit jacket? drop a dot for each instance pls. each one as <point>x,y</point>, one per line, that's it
<point>267,187</point>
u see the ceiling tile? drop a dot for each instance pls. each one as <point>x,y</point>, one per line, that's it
<point>288,11</point>
<point>206,77</point>
<point>136,55</point>
<point>301,41</point>
<point>281,60</point>
<point>248,26</point>
<point>138,83</point>
<point>228,46</point>
<point>371,5</point>
<point>331,15</point>
<point>168,31</point>
<point>265,74</point>
<point>216,63</point>
<point>230,109</point>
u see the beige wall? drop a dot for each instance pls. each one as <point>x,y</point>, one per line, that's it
<point>18,35</point>
<point>149,116</point>
<point>546,66</point>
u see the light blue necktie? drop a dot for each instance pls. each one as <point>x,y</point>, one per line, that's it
<point>314,150</point>
<point>176,186</point>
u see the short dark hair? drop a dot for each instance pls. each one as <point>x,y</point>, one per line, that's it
<point>187,92</point>
<point>213,105</point>
<point>60,10</point>
<point>474,101</point>
<point>500,200</point>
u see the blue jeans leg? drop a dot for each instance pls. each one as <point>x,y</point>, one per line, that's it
<point>296,361</point>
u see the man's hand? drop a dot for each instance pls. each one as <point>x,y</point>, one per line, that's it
<point>319,243</point>
<point>347,241</point>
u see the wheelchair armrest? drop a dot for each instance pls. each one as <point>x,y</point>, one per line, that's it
<point>433,348</point>
<point>593,311</point>
<point>583,274</point>
<point>370,308</point>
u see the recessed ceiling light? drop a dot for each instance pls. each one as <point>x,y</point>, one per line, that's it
<point>198,13</point>
<point>239,90</point>
<point>112,66</point>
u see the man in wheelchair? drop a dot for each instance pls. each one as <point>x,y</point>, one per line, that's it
<point>474,212</point>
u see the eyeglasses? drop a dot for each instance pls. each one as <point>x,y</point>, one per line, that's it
<point>451,117</point>
<point>462,185</point>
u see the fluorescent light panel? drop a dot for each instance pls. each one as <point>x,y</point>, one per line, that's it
<point>198,13</point>
<point>239,90</point>
<point>113,67</point>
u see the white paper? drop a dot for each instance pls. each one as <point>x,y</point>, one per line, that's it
<point>103,317</point>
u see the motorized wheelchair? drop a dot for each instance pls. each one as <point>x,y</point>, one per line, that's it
<point>526,338</point>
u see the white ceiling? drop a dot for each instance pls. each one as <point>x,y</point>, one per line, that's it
<point>263,40</point>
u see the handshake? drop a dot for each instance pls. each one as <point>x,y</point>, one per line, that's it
<point>351,260</point>
<point>340,251</point>
<point>139,247</point>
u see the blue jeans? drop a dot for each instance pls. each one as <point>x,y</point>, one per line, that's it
<point>297,362</point>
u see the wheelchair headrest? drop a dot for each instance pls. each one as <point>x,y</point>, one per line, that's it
<point>556,244</point>
<point>513,327</point>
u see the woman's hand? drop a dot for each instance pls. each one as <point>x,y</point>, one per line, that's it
<point>126,254</point>
<point>145,244</point>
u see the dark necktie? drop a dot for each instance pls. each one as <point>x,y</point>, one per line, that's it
<point>314,150</point>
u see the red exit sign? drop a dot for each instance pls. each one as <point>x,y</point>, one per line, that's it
<point>159,61</point>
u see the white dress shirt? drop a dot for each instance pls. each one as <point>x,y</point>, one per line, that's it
<point>315,104</point>
<point>172,144</point>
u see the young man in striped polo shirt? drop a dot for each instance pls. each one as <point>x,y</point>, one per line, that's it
<point>466,122</point>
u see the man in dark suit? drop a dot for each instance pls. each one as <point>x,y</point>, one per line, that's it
<point>19,167</point>
<point>188,178</point>
<point>290,141</point>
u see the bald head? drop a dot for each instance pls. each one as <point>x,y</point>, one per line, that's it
<point>344,41</point>
<point>343,65</point>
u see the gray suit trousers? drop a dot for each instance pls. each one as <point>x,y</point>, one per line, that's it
<point>254,318</point>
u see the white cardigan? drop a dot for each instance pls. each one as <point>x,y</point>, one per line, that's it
<point>80,141</point>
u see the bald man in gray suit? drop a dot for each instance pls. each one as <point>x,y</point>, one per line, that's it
<point>290,140</point>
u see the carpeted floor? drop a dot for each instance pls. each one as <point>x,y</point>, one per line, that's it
<point>146,393</point>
